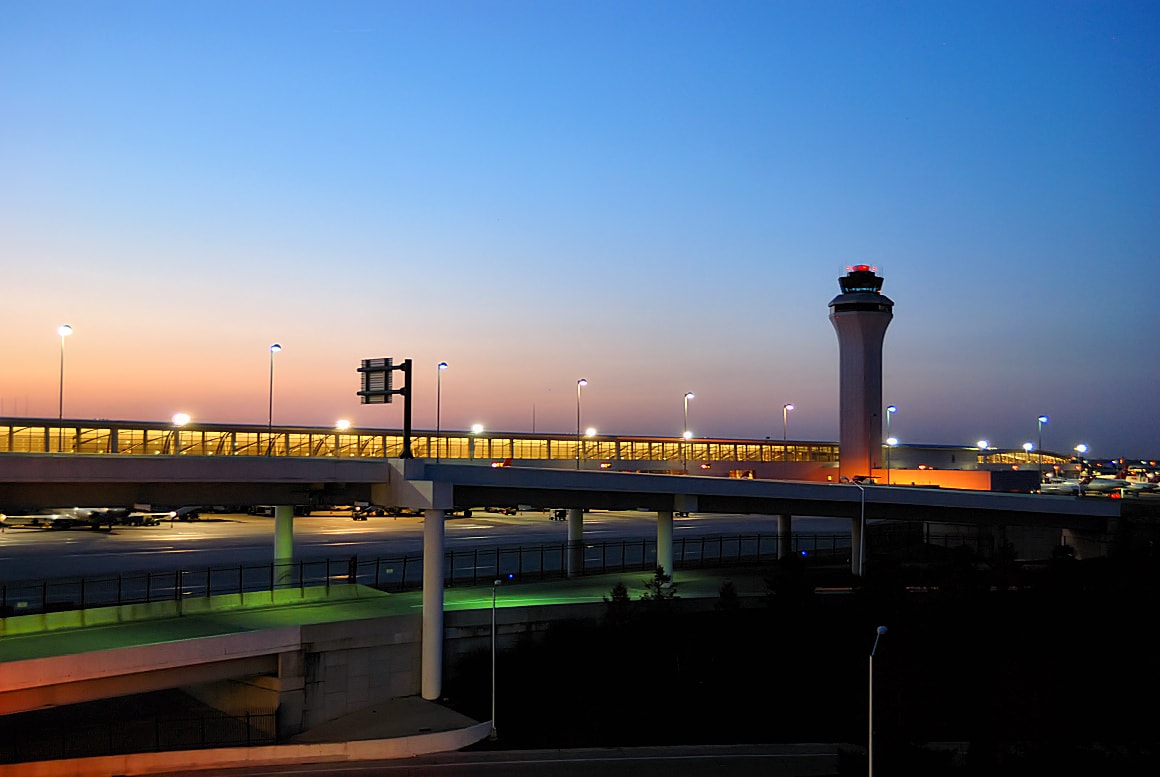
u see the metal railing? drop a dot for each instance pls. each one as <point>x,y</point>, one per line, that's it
<point>471,567</point>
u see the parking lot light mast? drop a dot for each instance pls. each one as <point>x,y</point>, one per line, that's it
<point>1039,443</point>
<point>685,435</point>
<point>438,406</point>
<point>579,440</point>
<point>64,330</point>
<point>494,586</point>
<point>788,406</point>
<point>275,348</point>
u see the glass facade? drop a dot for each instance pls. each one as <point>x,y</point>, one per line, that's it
<point>164,439</point>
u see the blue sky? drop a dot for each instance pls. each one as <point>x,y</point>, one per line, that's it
<point>656,196</point>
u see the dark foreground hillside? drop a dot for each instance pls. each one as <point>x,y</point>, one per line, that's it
<point>1052,671</point>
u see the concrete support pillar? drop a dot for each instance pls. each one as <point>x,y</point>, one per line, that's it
<point>575,541</point>
<point>856,546</point>
<point>432,648</point>
<point>784,536</point>
<point>283,546</point>
<point>665,541</point>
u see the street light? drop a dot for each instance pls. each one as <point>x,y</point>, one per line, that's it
<point>1042,420</point>
<point>270,415</point>
<point>890,443</point>
<point>890,410</point>
<point>983,445</point>
<point>870,738</point>
<point>438,406</point>
<point>862,534</point>
<point>342,425</point>
<point>788,406</point>
<point>494,585</point>
<point>64,330</point>
<point>686,435</point>
<point>1027,448</point>
<point>579,442</point>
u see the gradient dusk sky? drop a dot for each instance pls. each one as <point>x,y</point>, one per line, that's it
<point>658,197</point>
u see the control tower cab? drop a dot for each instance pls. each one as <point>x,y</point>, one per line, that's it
<point>860,315</point>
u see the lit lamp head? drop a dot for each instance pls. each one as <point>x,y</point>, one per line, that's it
<point>590,431</point>
<point>983,444</point>
<point>688,435</point>
<point>275,348</point>
<point>442,366</point>
<point>342,425</point>
<point>892,441</point>
<point>477,428</point>
<point>1029,446</point>
<point>1081,449</point>
<point>64,330</point>
<point>181,419</point>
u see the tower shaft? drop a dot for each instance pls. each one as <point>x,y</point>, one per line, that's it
<point>860,315</point>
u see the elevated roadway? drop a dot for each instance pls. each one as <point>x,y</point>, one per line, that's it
<point>437,488</point>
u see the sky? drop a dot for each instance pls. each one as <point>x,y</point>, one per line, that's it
<point>657,197</point>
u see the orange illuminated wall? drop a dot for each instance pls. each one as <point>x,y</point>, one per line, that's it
<point>968,479</point>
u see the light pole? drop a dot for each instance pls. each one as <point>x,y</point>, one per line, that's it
<point>494,586</point>
<point>890,410</point>
<point>788,406</point>
<point>870,738</point>
<point>1039,444</point>
<point>862,534</point>
<point>1027,448</point>
<point>983,445</point>
<point>890,443</point>
<point>685,435</point>
<point>438,407</point>
<point>64,330</point>
<point>579,440</point>
<point>270,414</point>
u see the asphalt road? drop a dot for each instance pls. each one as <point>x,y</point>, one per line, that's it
<point>729,761</point>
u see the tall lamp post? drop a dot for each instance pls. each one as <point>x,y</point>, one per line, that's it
<point>788,406</point>
<point>1027,448</point>
<point>890,443</point>
<point>870,738</point>
<point>494,586</point>
<point>1039,442</point>
<point>270,414</point>
<point>685,435</point>
<point>890,410</point>
<point>64,330</point>
<point>438,406</point>
<point>862,533</point>
<point>579,440</point>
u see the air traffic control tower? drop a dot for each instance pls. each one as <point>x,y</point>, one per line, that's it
<point>860,315</point>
